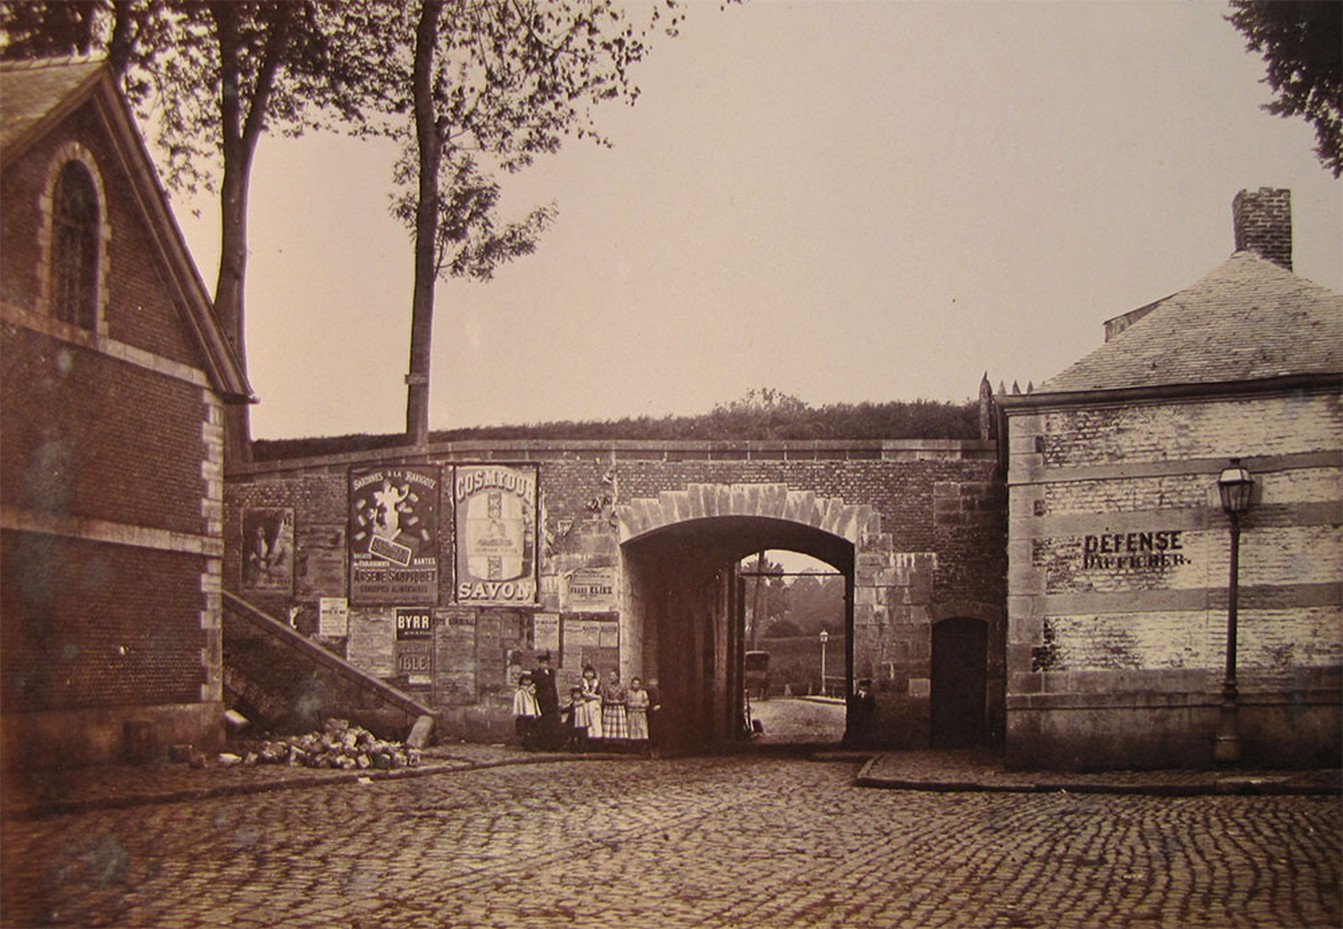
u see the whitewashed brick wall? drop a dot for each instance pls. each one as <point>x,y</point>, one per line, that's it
<point>1115,470</point>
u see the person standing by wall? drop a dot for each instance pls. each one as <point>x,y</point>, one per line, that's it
<point>592,694</point>
<point>526,714</point>
<point>575,715</point>
<point>636,710</point>
<point>615,724</point>
<point>654,715</point>
<point>862,715</point>
<point>548,700</point>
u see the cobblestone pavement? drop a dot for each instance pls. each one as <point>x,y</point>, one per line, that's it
<point>746,841</point>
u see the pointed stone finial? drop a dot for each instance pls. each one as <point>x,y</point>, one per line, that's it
<point>986,429</point>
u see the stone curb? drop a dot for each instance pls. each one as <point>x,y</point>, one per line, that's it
<point>1206,785</point>
<point>65,807</point>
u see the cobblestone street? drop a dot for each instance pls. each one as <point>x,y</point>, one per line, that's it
<point>745,841</point>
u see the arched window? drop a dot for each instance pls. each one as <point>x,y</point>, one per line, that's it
<point>74,247</point>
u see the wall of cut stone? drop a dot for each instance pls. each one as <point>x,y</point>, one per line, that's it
<point>938,505</point>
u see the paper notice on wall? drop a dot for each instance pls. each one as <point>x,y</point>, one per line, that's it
<point>333,616</point>
<point>589,590</point>
<point>581,633</point>
<point>371,642</point>
<point>608,635</point>
<point>546,632</point>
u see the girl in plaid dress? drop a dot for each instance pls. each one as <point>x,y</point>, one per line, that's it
<point>615,725</point>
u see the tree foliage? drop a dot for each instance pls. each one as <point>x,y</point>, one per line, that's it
<point>475,90</point>
<point>1302,45</point>
<point>816,602</point>
<point>218,76</point>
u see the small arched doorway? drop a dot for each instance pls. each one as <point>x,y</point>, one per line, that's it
<point>959,682</point>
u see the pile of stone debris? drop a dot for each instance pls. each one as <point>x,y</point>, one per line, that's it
<point>337,745</point>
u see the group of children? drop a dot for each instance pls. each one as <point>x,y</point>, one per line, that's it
<point>595,711</point>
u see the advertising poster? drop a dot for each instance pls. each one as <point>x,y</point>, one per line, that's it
<point>414,645</point>
<point>394,535</point>
<point>494,509</point>
<point>267,549</point>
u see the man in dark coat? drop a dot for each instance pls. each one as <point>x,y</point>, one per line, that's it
<point>548,700</point>
<point>862,716</point>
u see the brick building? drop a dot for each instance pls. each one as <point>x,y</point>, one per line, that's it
<point>1118,545</point>
<point>111,478</point>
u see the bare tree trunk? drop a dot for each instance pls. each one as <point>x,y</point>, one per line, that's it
<point>240,135</point>
<point>426,225</point>
<point>122,43</point>
<point>229,299</point>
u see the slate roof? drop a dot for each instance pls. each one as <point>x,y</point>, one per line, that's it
<point>31,90</point>
<point>1247,320</point>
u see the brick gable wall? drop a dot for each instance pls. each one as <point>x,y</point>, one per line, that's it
<point>111,486</point>
<point>139,309</point>
<point>93,436</point>
<point>91,625</point>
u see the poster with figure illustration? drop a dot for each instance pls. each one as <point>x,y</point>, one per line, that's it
<point>394,536</point>
<point>494,510</point>
<point>268,549</point>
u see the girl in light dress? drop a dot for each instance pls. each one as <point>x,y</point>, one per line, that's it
<point>575,717</point>
<point>615,724</point>
<point>526,713</point>
<point>592,699</point>
<point>636,710</point>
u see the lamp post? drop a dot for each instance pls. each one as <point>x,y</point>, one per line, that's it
<point>825,637</point>
<point>1234,485</point>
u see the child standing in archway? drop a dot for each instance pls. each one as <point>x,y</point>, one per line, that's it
<point>636,710</point>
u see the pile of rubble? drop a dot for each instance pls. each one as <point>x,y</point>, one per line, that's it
<point>338,745</point>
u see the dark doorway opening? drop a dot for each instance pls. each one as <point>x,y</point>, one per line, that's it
<point>960,666</point>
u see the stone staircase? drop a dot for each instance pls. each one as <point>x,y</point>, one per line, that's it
<point>285,683</point>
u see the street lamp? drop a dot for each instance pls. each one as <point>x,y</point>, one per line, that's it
<point>825,637</point>
<point>1235,485</point>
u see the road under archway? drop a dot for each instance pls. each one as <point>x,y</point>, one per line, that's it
<point>685,618</point>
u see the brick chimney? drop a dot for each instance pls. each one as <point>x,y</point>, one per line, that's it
<point>1263,222</point>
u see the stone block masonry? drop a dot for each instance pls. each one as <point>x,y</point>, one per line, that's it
<point>923,524</point>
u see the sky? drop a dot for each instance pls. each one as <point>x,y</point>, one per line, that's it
<point>845,201</point>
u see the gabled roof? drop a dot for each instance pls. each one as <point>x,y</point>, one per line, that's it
<point>35,96</point>
<point>31,91</point>
<point>1248,320</point>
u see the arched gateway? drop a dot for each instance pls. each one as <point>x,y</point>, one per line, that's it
<point>679,552</point>
<point>447,570</point>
